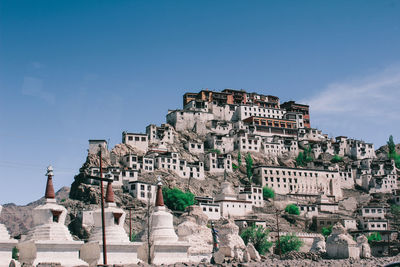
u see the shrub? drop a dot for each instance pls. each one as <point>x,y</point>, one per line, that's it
<point>239,159</point>
<point>374,237</point>
<point>304,157</point>
<point>395,209</point>
<point>326,231</point>
<point>175,199</point>
<point>217,151</point>
<point>392,154</point>
<point>257,235</point>
<point>234,166</point>
<point>14,254</point>
<point>249,166</point>
<point>336,158</point>
<point>268,192</point>
<point>292,209</point>
<point>289,243</point>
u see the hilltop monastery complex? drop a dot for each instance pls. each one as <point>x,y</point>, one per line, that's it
<point>203,141</point>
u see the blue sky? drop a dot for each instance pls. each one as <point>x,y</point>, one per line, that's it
<point>77,70</point>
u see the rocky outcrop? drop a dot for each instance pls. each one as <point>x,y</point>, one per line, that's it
<point>194,230</point>
<point>231,244</point>
<point>365,249</point>
<point>318,244</point>
<point>340,245</point>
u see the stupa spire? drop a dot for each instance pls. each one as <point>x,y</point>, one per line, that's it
<point>159,195</point>
<point>49,194</point>
<point>109,193</point>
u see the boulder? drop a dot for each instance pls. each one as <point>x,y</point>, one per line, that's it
<point>231,244</point>
<point>318,244</point>
<point>254,255</point>
<point>363,245</point>
<point>194,230</point>
<point>340,245</point>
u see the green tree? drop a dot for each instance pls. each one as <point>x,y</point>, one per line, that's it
<point>374,237</point>
<point>175,199</point>
<point>392,154</point>
<point>391,146</point>
<point>326,231</point>
<point>239,159</point>
<point>304,157</point>
<point>268,192</point>
<point>14,253</point>
<point>249,166</point>
<point>292,209</point>
<point>395,209</point>
<point>336,158</point>
<point>234,166</point>
<point>289,243</point>
<point>257,235</point>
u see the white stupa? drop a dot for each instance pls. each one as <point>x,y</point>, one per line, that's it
<point>167,248</point>
<point>53,241</point>
<point>119,249</point>
<point>6,245</point>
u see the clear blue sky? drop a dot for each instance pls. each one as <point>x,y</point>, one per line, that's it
<point>77,70</point>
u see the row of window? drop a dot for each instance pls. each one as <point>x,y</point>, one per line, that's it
<point>295,173</point>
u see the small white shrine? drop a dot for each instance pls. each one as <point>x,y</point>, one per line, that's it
<point>53,241</point>
<point>119,249</point>
<point>6,245</point>
<point>167,248</point>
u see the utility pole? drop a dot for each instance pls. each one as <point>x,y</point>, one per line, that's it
<point>130,208</point>
<point>279,240</point>
<point>103,226</point>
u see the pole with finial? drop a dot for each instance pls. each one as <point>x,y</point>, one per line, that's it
<point>49,194</point>
<point>103,225</point>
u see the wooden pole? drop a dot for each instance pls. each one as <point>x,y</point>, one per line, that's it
<point>279,240</point>
<point>103,226</point>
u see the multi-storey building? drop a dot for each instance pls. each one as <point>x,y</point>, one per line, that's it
<point>218,163</point>
<point>246,142</point>
<point>292,106</point>
<point>224,143</point>
<point>171,161</point>
<point>136,140</point>
<point>163,134</point>
<point>285,180</point>
<point>139,163</point>
<point>269,127</point>
<point>252,193</point>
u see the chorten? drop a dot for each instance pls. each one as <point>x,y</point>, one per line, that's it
<point>167,248</point>
<point>119,249</point>
<point>53,241</point>
<point>6,245</point>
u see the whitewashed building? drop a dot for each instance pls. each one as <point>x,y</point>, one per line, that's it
<point>137,140</point>
<point>218,163</point>
<point>285,180</point>
<point>143,191</point>
<point>252,193</point>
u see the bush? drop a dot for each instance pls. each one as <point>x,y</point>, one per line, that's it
<point>175,199</point>
<point>304,157</point>
<point>292,209</point>
<point>374,237</point>
<point>257,235</point>
<point>326,231</point>
<point>14,253</point>
<point>268,192</point>
<point>289,243</point>
<point>217,151</point>
<point>234,166</point>
<point>249,166</point>
<point>395,209</point>
<point>336,159</point>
